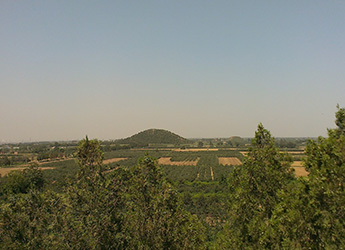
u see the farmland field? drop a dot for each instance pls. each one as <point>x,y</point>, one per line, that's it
<point>234,161</point>
<point>5,171</point>
<point>112,160</point>
<point>297,164</point>
<point>204,164</point>
<point>180,165</point>
<point>195,149</point>
<point>167,161</point>
<point>300,171</point>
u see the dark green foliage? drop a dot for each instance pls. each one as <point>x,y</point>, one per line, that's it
<point>89,153</point>
<point>285,143</point>
<point>236,141</point>
<point>311,214</point>
<point>53,153</point>
<point>207,200</point>
<point>60,176</point>
<point>133,208</point>
<point>32,221</point>
<point>5,161</point>
<point>340,121</point>
<point>254,192</point>
<point>8,160</point>
<point>93,218</point>
<point>157,219</point>
<point>22,181</point>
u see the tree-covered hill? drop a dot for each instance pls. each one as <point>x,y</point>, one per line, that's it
<point>236,141</point>
<point>154,136</point>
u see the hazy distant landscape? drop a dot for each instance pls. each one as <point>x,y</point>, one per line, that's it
<point>199,168</point>
<point>160,143</point>
<point>172,124</point>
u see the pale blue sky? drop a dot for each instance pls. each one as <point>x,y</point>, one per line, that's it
<point>110,69</point>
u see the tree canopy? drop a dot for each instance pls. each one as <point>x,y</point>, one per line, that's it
<point>124,209</point>
<point>254,192</point>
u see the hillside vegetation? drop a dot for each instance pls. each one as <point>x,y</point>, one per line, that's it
<point>236,141</point>
<point>154,136</point>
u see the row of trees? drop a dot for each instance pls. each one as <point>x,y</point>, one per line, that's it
<point>138,208</point>
<point>13,160</point>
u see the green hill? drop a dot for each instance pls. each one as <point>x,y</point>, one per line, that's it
<point>236,141</point>
<point>154,136</point>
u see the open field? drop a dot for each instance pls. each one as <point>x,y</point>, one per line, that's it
<point>5,171</point>
<point>112,160</point>
<point>234,161</point>
<point>297,164</point>
<point>167,161</point>
<point>300,171</point>
<point>178,164</point>
<point>289,152</point>
<point>295,152</point>
<point>44,162</point>
<point>107,161</point>
<point>195,149</point>
<point>182,166</point>
<point>177,149</point>
<point>151,149</point>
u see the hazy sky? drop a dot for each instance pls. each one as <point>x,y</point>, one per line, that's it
<point>110,69</point>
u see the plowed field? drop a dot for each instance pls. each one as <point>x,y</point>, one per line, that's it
<point>167,161</point>
<point>234,161</point>
<point>108,161</point>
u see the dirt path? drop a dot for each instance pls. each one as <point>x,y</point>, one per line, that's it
<point>212,174</point>
<point>112,160</point>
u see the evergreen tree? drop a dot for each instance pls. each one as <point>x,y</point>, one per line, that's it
<point>311,214</point>
<point>253,193</point>
<point>156,219</point>
<point>124,209</point>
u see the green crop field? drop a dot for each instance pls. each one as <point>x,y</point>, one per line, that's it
<point>202,171</point>
<point>207,168</point>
